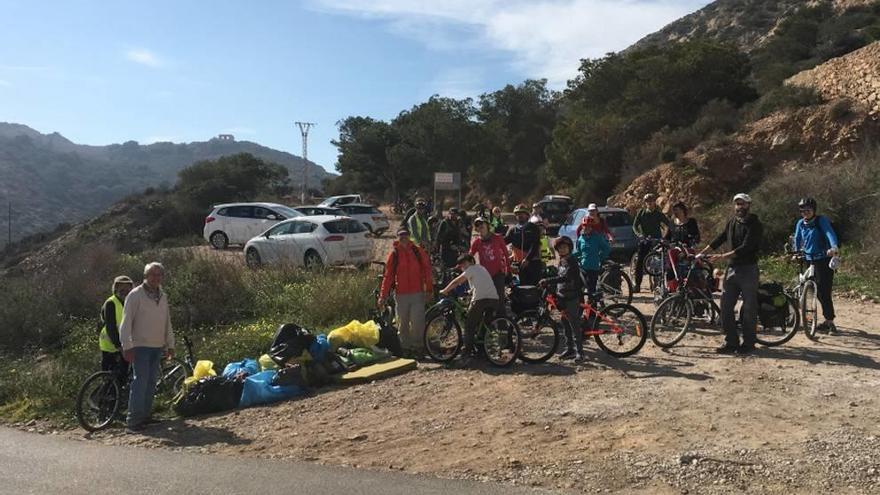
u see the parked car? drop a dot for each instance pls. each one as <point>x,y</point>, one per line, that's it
<point>311,242</point>
<point>624,242</point>
<point>237,223</point>
<point>319,210</point>
<point>335,201</point>
<point>555,210</point>
<point>374,220</point>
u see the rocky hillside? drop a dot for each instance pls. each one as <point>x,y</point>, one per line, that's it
<point>745,23</point>
<point>855,76</point>
<point>50,180</point>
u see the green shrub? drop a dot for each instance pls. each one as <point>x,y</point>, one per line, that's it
<point>783,98</point>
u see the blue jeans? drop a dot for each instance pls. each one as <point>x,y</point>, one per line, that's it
<point>143,384</point>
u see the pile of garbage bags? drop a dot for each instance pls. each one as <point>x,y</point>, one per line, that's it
<point>297,361</point>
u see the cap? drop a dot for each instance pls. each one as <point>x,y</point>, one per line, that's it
<point>479,220</point>
<point>744,197</point>
<point>402,231</point>
<point>592,207</point>
<point>520,208</point>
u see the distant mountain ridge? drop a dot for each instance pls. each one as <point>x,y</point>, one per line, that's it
<point>50,180</point>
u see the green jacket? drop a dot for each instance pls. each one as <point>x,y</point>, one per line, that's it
<point>647,223</point>
<point>419,230</point>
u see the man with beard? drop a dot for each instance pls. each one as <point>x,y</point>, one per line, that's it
<point>743,234</point>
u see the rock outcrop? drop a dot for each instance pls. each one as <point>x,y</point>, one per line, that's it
<point>855,75</point>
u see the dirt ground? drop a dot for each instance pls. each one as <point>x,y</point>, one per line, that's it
<point>801,418</point>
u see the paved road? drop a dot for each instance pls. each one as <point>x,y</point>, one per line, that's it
<point>45,465</point>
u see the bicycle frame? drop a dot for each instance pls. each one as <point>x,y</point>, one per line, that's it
<point>589,312</point>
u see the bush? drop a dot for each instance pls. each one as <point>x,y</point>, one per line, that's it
<point>841,108</point>
<point>782,98</point>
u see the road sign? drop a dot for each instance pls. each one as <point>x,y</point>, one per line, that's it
<point>447,181</point>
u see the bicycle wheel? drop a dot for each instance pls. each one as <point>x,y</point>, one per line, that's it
<point>653,263</point>
<point>622,330</point>
<point>502,342</point>
<point>443,338</point>
<point>171,377</point>
<point>672,320</point>
<point>616,286</point>
<point>98,401</point>
<point>810,309</point>
<point>777,335</point>
<point>540,337</point>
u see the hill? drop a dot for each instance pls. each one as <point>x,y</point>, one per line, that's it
<point>50,180</point>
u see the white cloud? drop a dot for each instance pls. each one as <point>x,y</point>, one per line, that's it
<point>546,38</point>
<point>458,82</point>
<point>144,57</point>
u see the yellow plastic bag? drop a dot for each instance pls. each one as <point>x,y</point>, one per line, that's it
<point>202,369</point>
<point>356,334</point>
<point>266,363</point>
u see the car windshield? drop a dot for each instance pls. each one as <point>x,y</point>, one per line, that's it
<point>617,219</point>
<point>344,226</point>
<point>555,207</point>
<point>287,212</point>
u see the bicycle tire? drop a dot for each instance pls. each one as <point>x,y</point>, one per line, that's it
<point>106,405</point>
<point>440,346</point>
<point>653,263</point>
<point>172,374</point>
<point>616,293</point>
<point>634,323</point>
<point>502,342</point>
<point>809,305</point>
<point>764,334</point>
<point>672,320</point>
<point>538,345</point>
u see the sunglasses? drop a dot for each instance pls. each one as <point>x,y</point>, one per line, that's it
<point>804,210</point>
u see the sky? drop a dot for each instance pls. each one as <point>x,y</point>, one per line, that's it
<point>102,72</point>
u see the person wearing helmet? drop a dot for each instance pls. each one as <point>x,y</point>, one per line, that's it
<point>111,316</point>
<point>743,234</point>
<point>491,252</point>
<point>647,225</point>
<point>525,239</point>
<point>570,288</point>
<point>420,230</point>
<point>815,236</point>
<point>449,238</point>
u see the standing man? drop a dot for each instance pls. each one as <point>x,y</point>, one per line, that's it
<point>408,272</point>
<point>418,225</point>
<point>146,335</point>
<point>814,235</point>
<point>449,238</point>
<point>743,234</point>
<point>491,253</point>
<point>647,226</point>
<point>525,237</point>
<point>111,315</point>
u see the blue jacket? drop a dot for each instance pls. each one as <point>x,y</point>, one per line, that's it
<point>592,250</point>
<point>815,237</point>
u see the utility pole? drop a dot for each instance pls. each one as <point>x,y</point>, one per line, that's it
<point>304,130</point>
<point>9,225</point>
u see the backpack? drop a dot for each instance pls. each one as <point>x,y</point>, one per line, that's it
<point>772,305</point>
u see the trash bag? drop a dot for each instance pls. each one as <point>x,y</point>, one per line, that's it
<point>355,334</point>
<point>389,338</point>
<point>247,367</point>
<point>291,375</point>
<point>291,342</point>
<point>319,348</point>
<point>203,369</point>
<point>266,363</point>
<point>363,357</point>
<point>258,389</point>
<point>211,394</point>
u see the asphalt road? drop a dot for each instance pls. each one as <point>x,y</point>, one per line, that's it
<point>43,465</point>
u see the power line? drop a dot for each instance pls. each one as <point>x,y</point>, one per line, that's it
<point>304,130</point>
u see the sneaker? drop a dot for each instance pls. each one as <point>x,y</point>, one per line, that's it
<point>822,327</point>
<point>568,354</point>
<point>727,349</point>
<point>135,429</point>
<point>832,328</point>
<point>579,357</point>
<point>745,349</point>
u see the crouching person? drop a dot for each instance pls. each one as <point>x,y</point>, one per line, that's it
<point>484,297</point>
<point>570,288</point>
<point>146,335</point>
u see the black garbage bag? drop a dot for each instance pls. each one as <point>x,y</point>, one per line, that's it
<point>388,337</point>
<point>211,394</point>
<point>290,342</point>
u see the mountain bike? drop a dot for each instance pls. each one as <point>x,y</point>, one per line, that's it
<point>615,283</point>
<point>806,293</point>
<point>497,338</point>
<point>689,299</point>
<point>541,335</point>
<point>103,396</point>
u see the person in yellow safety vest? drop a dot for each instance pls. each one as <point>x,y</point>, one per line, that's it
<point>111,315</point>
<point>419,229</point>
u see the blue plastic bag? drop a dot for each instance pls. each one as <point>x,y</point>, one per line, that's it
<point>319,348</point>
<point>258,389</point>
<point>248,367</point>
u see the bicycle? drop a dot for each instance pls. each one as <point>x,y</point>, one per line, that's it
<point>615,283</point>
<point>806,293</point>
<point>540,333</point>
<point>103,396</point>
<point>689,297</point>
<point>497,338</point>
<point>612,326</point>
<point>388,310</point>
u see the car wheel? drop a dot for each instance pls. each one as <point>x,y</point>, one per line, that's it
<point>252,258</point>
<point>219,240</point>
<point>313,261</point>
<point>370,229</point>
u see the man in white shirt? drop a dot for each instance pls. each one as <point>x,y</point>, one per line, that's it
<point>484,297</point>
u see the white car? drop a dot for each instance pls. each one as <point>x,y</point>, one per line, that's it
<point>237,223</point>
<point>335,201</point>
<point>311,242</point>
<point>373,219</point>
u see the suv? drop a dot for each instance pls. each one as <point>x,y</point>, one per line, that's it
<point>374,220</point>
<point>555,210</point>
<point>237,223</point>
<point>624,242</point>
<point>337,201</point>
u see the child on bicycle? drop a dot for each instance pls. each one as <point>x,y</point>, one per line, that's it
<point>484,297</point>
<point>570,288</point>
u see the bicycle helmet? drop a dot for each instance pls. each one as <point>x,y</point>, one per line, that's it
<point>559,241</point>
<point>520,208</point>
<point>650,197</point>
<point>681,206</point>
<point>807,204</point>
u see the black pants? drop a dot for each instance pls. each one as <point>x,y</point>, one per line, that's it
<point>113,361</point>
<point>532,273</point>
<point>476,314</point>
<point>500,281</point>
<point>449,254</point>
<point>572,325</point>
<point>741,280</point>
<point>641,254</point>
<point>824,285</point>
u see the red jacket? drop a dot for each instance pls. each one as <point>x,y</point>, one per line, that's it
<point>601,227</point>
<point>408,271</point>
<point>492,254</point>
